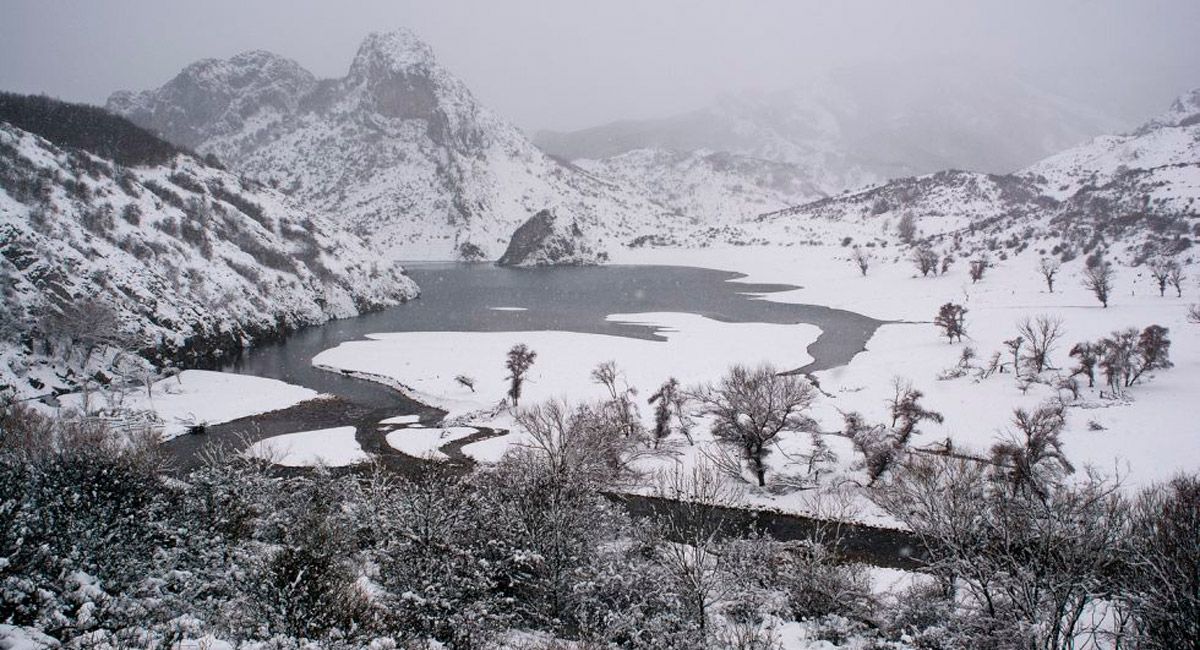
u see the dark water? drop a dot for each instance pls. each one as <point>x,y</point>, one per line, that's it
<point>459,297</point>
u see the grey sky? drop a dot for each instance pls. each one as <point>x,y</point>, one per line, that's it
<point>565,64</point>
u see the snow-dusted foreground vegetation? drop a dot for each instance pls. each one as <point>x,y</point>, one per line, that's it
<point>102,549</point>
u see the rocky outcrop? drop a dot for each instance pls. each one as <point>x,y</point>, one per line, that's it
<point>549,240</point>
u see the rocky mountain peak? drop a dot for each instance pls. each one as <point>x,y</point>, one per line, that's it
<point>383,54</point>
<point>213,97</point>
<point>1185,111</point>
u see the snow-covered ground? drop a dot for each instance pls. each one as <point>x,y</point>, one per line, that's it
<point>334,447</point>
<point>424,443</point>
<point>201,397</point>
<point>1144,438</point>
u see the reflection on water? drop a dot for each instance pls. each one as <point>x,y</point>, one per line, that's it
<point>464,297</point>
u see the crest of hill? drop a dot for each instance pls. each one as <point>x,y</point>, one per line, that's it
<point>85,127</point>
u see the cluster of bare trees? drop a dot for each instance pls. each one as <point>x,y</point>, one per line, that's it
<point>1165,272</point>
<point>1028,560</point>
<point>1124,356</point>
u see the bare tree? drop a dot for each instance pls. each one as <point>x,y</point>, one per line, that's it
<point>695,522</point>
<point>752,406</point>
<point>907,412</point>
<point>620,397</point>
<point>1041,334</point>
<point>952,319</point>
<point>979,266</point>
<point>1193,314</point>
<point>1026,570</point>
<point>1126,355</point>
<point>519,360</point>
<point>1175,277</point>
<point>85,324</point>
<point>1160,270</point>
<point>925,259</point>
<point>581,443</point>
<point>1087,356</point>
<point>1049,268</point>
<point>669,403</point>
<point>1014,348</point>
<point>1098,279</point>
<point>862,259</point>
<point>1032,455</point>
<point>947,262</point>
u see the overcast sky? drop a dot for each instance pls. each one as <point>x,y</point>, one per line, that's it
<point>564,64</point>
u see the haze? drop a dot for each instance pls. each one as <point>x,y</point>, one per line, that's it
<point>566,65</point>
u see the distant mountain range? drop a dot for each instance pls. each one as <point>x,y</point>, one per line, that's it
<point>1137,194</point>
<point>846,130</point>
<point>399,150</point>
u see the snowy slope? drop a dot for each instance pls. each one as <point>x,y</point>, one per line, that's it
<point>843,131</point>
<point>179,261</point>
<point>708,187</point>
<point>398,149</point>
<point>1136,194</point>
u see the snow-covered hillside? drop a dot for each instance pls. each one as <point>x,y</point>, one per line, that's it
<point>708,188</point>
<point>828,135</point>
<point>398,149</point>
<point>179,261</point>
<point>1136,195</point>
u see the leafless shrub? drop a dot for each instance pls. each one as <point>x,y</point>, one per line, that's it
<point>1028,570</point>
<point>583,443</point>
<point>862,259</point>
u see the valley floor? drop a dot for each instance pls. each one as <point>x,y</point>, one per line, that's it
<point>1143,437</point>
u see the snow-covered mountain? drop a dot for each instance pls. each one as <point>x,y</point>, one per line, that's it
<point>398,149</point>
<point>159,254</point>
<point>843,131</point>
<point>1138,194</point>
<point>708,188</point>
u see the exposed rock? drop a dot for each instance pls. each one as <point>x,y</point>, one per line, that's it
<point>549,240</point>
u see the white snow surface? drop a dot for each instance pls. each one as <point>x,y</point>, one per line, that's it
<point>421,442</point>
<point>424,364</point>
<point>334,447</point>
<point>203,397</point>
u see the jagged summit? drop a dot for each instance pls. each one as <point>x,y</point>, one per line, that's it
<point>217,97</point>
<point>1184,111</point>
<point>398,149</point>
<point>396,51</point>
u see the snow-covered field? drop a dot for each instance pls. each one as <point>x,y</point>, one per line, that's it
<point>424,443</point>
<point>334,447</point>
<point>202,397</point>
<point>1144,438</point>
